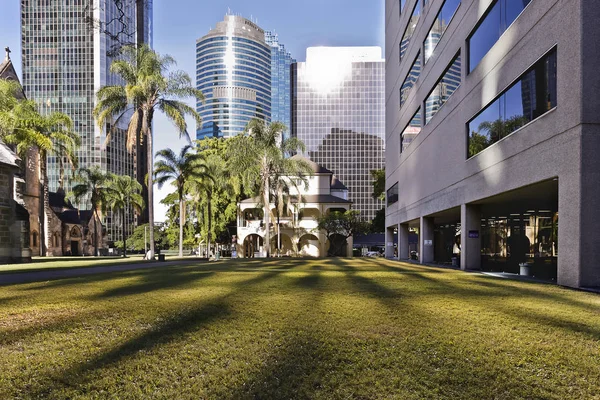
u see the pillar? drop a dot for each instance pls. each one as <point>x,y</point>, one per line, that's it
<point>403,253</point>
<point>426,240</point>
<point>470,237</point>
<point>389,242</point>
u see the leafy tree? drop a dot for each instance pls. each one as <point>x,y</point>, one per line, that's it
<point>378,223</point>
<point>378,176</point>
<point>339,227</point>
<point>258,156</point>
<point>124,192</point>
<point>180,169</point>
<point>477,143</point>
<point>149,87</point>
<point>91,184</point>
<point>22,125</point>
<point>138,239</point>
<point>496,130</point>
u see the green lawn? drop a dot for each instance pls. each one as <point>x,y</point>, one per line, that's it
<point>51,263</point>
<point>298,329</point>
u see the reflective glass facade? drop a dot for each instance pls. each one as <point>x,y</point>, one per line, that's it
<point>410,29</point>
<point>443,90</point>
<point>392,194</point>
<point>531,96</point>
<point>498,18</point>
<point>411,78</point>
<point>411,131</point>
<point>233,70</point>
<point>338,112</point>
<point>66,61</point>
<point>281,60</point>
<point>442,20</point>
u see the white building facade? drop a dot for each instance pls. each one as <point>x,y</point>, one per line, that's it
<point>298,235</point>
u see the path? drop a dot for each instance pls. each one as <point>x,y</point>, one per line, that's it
<point>40,276</point>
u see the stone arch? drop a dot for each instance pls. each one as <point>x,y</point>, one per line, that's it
<point>336,246</point>
<point>309,213</point>
<point>252,246</point>
<point>287,246</point>
<point>309,246</point>
<point>35,239</point>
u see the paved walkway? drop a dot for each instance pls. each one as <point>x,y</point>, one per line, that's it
<point>40,276</point>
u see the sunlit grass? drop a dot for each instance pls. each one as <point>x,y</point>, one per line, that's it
<point>289,329</point>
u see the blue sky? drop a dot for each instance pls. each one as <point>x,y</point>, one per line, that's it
<point>178,23</point>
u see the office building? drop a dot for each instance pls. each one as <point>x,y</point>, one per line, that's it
<point>338,112</point>
<point>67,49</point>
<point>233,70</point>
<point>281,61</point>
<point>492,133</point>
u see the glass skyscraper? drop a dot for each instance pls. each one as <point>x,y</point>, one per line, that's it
<point>281,61</point>
<point>233,70</point>
<point>338,111</point>
<point>67,49</point>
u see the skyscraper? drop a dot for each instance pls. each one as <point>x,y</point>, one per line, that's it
<point>338,107</point>
<point>281,60</point>
<point>67,49</point>
<point>233,70</point>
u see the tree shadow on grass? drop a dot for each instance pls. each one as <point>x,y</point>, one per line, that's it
<point>308,281</point>
<point>192,318</point>
<point>154,282</point>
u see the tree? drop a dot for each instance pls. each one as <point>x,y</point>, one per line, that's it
<point>91,184</point>
<point>378,223</point>
<point>378,183</point>
<point>22,125</point>
<point>180,169</point>
<point>148,88</point>
<point>124,192</point>
<point>341,225</point>
<point>260,154</point>
<point>138,239</point>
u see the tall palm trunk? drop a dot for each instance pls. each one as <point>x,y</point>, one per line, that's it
<point>150,188</point>
<point>267,217</point>
<point>181,223</point>
<point>95,217</point>
<point>44,234</point>
<point>124,235</point>
<point>209,219</point>
<point>278,236</point>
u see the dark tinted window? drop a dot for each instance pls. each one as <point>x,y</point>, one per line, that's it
<point>500,15</point>
<point>531,96</point>
<point>392,194</point>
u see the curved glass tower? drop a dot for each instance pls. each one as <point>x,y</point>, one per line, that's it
<point>233,70</point>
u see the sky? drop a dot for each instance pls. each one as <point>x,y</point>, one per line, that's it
<point>178,23</point>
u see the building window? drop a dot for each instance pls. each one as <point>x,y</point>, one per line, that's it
<point>411,131</point>
<point>392,195</point>
<point>495,21</point>
<point>530,97</point>
<point>411,78</point>
<point>442,20</point>
<point>445,87</point>
<point>34,239</point>
<point>410,29</point>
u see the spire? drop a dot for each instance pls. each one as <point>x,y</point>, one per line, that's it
<point>7,49</point>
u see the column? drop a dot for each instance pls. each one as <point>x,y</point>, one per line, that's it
<point>426,240</point>
<point>389,242</point>
<point>403,253</point>
<point>470,237</point>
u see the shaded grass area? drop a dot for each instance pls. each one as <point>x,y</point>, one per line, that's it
<point>298,329</point>
<point>57,263</point>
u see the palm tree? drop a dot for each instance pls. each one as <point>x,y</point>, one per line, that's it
<point>148,87</point>
<point>22,125</point>
<point>123,192</point>
<point>180,169</point>
<point>208,191</point>
<point>259,156</point>
<point>91,184</point>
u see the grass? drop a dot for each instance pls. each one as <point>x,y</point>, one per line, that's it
<point>298,329</point>
<point>54,263</point>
